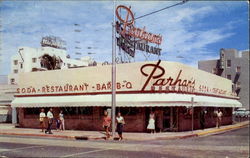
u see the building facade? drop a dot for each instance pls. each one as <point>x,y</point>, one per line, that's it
<point>6,97</point>
<point>176,93</point>
<point>233,65</point>
<point>41,59</point>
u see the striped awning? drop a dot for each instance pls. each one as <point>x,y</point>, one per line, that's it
<point>125,100</point>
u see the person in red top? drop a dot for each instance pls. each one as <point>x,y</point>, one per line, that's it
<point>106,123</point>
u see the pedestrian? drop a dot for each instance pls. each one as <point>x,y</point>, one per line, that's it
<point>42,119</point>
<point>61,117</point>
<point>58,124</point>
<point>50,121</point>
<point>202,119</point>
<point>120,122</point>
<point>106,123</point>
<point>151,122</point>
<point>219,118</point>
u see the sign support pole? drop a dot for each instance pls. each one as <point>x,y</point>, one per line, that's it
<point>113,72</point>
<point>192,102</point>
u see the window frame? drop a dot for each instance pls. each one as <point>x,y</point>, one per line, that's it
<point>15,71</point>
<point>230,76</point>
<point>15,62</point>
<point>229,63</point>
<point>34,60</point>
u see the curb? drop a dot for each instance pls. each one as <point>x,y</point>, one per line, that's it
<point>221,130</point>
<point>38,135</point>
<point>198,134</point>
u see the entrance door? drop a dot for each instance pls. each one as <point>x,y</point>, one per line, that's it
<point>166,119</point>
<point>170,119</point>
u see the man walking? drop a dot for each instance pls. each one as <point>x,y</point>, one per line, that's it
<point>50,121</point>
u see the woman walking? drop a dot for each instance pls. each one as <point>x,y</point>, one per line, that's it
<point>42,119</point>
<point>106,123</point>
<point>120,122</point>
<point>61,117</point>
<point>151,122</point>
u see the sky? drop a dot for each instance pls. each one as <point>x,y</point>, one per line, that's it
<point>193,31</point>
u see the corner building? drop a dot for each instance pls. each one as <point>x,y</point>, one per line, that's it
<point>176,93</point>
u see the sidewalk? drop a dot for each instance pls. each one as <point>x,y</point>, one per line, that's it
<point>9,129</point>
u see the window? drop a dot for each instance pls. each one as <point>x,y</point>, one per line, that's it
<point>15,71</point>
<point>31,111</point>
<point>34,60</point>
<point>229,77</point>
<point>12,81</point>
<point>222,55</point>
<point>21,65</point>
<point>238,69</point>
<point>228,63</point>
<point>128,110</point>
<point>69,65</point>
<point>125,111</point>
<point>15,62</point>
<point>78,110</point>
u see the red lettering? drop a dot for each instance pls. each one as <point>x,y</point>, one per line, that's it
<point>157,72</point>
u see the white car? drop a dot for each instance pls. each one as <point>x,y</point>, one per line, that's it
<point>241,113</point>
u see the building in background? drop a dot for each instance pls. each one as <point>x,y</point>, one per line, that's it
<point>52,55</point>
<point>6,96</point>
<point>233,65</point>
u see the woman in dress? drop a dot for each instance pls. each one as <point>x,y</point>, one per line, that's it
<point>106,123</point>
<point>42,119</point>
<point>151,122</point>
<point>120,122</point>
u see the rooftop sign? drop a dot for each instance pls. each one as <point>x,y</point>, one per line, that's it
<point>133,38</point>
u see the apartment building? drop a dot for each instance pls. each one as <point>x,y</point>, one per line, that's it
<point>233,65</point>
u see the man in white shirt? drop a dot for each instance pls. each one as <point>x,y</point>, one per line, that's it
<point>50,121</point>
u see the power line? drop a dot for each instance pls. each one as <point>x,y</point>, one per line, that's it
<point>184,1</point>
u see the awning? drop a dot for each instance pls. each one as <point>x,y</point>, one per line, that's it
<point>125,100</point>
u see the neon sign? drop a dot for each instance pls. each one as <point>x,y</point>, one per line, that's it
<point>131,30</point>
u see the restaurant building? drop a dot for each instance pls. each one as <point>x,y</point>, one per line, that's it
<point>175,92</point>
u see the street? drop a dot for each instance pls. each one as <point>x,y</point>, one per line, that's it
<point>230,144</point>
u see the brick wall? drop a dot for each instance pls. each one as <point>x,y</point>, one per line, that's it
<point>185,122</point>
<point>134,123</point>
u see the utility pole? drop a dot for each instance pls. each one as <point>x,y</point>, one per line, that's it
<point>192,102</point>
<point>113,72</point>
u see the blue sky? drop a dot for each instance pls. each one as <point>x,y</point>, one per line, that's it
<point>191,32</point>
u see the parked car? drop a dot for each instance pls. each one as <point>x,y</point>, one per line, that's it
<point>241,113</point>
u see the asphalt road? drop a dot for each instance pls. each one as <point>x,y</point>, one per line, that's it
<point>232,144</point>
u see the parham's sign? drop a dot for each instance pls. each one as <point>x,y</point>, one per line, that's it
<point>132,38</point>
